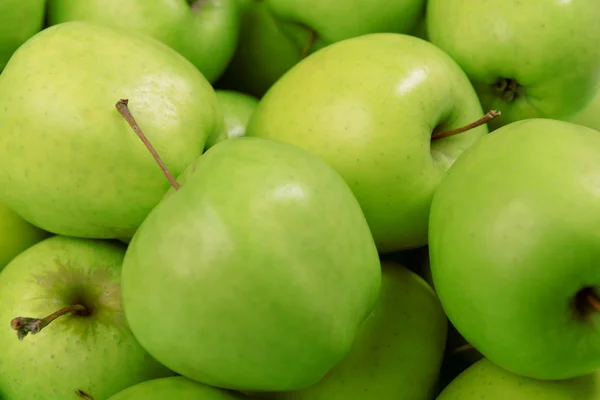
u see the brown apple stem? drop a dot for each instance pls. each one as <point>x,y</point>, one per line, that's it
<point>123,108</point>
<point>26,325</point>
<point>312,36</point>
<point>83,395</point>
<point>462,348</point>
<point>196,5</point>
<point>592,299</point>
<point>483,120</point>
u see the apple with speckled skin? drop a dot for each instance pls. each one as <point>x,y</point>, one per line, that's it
<point>523,203</point>
<point>590,116</point>
<point>529,59</point>
<point>91,349</point>
<point>71,164</point>
<point>369,106</point>
<point>203,31</point>
<point>263,258</point>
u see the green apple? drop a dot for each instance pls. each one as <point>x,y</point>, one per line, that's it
<point>174,387</point>
<point>71,164</point>
<point>525,58</point>
<point>237,109</point>
<point>204,31</point>
<point>276,34</point>
<point>456,360</point>
<point>16,235</point>
<point>90,350</point>
<point>256,274</point>
<point>398,351</point>
<point>368,106</point>
<point>590,116</point>
<point>19,20</point>
<point>485,380</point>
<point>514,247</point>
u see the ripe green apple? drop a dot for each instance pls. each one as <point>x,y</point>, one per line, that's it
<point>237,109</point>
<point>19,20</point>
<point>368,106</point>
<point>398,350</point>
<point>174,387</point>
<point>525,58</point>
<point>276,34</point>
<point>256,274</point>
<point>16,235</point>
<point>590,116</point>
<point>71,164</point>
<point>92,350</point>
<point>485,380</point>
<point>514,247</point>
<point>204,31</point>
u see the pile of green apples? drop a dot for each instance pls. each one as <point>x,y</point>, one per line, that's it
<point>300,199</point>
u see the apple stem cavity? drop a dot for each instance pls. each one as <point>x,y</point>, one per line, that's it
<point>509,89</point>
<point>483,120</point>
<point>312,36</point>
<point>196,5</point>
<point>27,325</point>
<point>123,107</point>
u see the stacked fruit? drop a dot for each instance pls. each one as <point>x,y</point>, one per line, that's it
<point>300,200</point>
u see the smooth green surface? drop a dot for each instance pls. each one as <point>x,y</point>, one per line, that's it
<point>16,235</point>
<point>590,116</point>
<point>96,354</point>
<point>398,350</point>
<point>237,109</point>
<point>256,274</point>
<point>513,238</point>
<point>19,20</point>
<point>486,381</point>
<point>368,106</point>
<point>175,387</point>
<point>205,33</point>
<point>70,162</point>
<point>549,46</point>
<point>275,32</point>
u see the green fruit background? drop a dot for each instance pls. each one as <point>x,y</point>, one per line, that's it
<point>300,200</point>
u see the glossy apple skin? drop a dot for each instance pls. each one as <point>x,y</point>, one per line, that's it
<point>96,354</point>
<point>206,36</point>
<point>398,351</point>
<point>256,274</point>
<point>16,235</point>
<point>485,380</point>
<point>274,33</point>
<point>549,46</point>
<point>19,20</point>
<point>513,240</point>
<point>368,106</point>
<point>71,164</point>
<point>175,387</point>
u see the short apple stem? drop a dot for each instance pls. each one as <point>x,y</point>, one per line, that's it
<point>26,325</point>
<point>83,395</point>
<point>460,349</point>
<point>123,107</point>
<point>483,120</point>
<point>312,36</point>
<point>592,299</point>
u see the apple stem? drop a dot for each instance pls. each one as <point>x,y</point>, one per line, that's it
<point>123,108</point>
<point>483,120</point>
<point>461,349</point>
<point>26,325</point>
<point>593,299</point>
<point>312,36</point>
<point>195,5</point>
<point>83,395</point>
